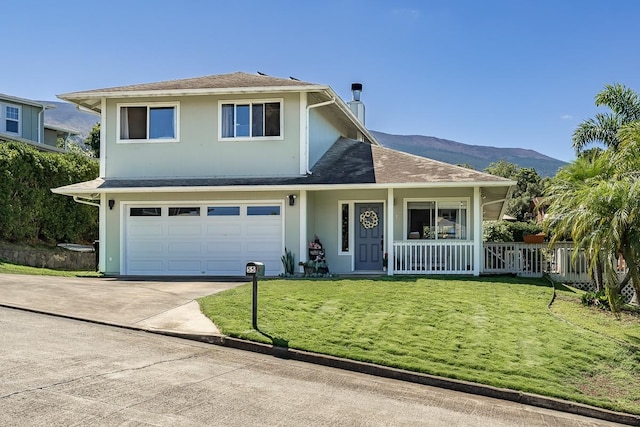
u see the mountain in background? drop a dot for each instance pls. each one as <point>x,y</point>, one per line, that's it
<point>444,150</point>
<point>68,116</point>
<point>478,156</point>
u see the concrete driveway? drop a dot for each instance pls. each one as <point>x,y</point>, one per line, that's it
<point>163,305</point>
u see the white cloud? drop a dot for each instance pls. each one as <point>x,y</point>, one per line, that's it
<point>412,14</point>
<point>566,117</point>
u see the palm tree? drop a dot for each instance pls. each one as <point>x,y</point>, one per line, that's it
<point>625,108</point>
<point>596,201</point>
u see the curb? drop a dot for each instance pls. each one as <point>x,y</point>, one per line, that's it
<point>375,370</point>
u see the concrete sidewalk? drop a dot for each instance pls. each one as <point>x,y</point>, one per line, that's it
<point>167,305</point>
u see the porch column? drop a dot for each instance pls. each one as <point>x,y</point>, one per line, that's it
<point>477,232</point>
<point>389,232</point>
<point>302,203</point>
<point>102,233</point>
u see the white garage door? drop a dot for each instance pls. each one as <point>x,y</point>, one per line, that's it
<point>194,240</point>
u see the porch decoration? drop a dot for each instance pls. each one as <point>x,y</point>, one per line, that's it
<point>316,266</point>
<point>369,219</point>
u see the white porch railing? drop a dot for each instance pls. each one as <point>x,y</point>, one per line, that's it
<point>432,257</point>
<point>524,259</point>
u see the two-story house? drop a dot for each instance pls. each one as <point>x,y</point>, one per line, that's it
<point>199,176</point>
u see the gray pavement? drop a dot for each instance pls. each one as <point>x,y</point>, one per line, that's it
<point>60,372</point>
<point>151,305</point>
<point>168,306</point>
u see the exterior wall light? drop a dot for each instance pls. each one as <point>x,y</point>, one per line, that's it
<point>292,199</point>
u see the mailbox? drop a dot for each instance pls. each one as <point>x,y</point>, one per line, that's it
<point>255,268</point>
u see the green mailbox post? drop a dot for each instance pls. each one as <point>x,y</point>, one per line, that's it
<point>255,269</point>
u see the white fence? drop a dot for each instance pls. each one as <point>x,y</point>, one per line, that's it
<point>523,259</point>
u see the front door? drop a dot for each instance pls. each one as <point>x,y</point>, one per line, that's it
<point>369,236</point>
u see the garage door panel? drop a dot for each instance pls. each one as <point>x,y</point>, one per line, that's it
<point>223,230</point>
<point>222,267</point>
<point>184,249</point>
<point>145,230</point>
<point>199,245</point>
<point>145,248</point>
<point>182,267</point>
<point>224,250</point>
<point>140,266</point>
<point>184,230</point>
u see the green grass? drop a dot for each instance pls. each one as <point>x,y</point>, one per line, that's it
<point>8,268</point>
<point>495,331</point>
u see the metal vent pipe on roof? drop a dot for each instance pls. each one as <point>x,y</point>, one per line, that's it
<point>355,105</point>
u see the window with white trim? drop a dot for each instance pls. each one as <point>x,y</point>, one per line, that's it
<point>437,219</point>
<point>250,119</point>
<point>152,122</point>
<point>10,118</point>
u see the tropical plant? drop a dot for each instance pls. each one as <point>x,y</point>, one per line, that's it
<point>624,104</point>
<point>596,201</point>
<point>288,262</point>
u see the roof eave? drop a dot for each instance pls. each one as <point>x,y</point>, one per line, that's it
<point>24,101</point>
<point>287,187</point>
<point>83,98</point>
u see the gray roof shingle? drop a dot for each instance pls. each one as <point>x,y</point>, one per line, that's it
<point>218,81</point>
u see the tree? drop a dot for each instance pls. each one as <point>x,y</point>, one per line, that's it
<point>93,140</point>
<point>530,185</point>
<point>596,201</point>
<point>624,104</point>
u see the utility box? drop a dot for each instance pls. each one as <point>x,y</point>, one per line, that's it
<point>255,268</point>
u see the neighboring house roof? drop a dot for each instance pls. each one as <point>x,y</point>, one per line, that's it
<point>62,129</point>
<point>42,147</point>
<point>232,83</point>
<point>16,100</point>
<point>347,164</point>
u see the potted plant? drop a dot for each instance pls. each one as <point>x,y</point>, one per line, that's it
<point>309,267</point>
<point>533,238</point>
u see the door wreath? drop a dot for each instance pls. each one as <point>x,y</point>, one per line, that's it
<point>369,219</point>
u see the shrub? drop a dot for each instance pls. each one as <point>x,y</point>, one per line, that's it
<point>30,212</point>
<point>505,231</point>
<point>597,299</point>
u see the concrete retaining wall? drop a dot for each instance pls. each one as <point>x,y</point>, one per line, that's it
<point>56,259</point>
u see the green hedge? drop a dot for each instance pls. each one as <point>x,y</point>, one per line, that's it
<point>506,231</point>
<point>29,212</point>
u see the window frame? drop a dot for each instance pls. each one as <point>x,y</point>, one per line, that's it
<point>437,201</point>
<point>250,103</point>
<point>4,118</point>
<point>350,236</point>
<point>148,106</point>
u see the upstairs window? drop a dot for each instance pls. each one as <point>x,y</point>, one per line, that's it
<point>12,119</point>
<point>154,122</point>
<point>255,119</point>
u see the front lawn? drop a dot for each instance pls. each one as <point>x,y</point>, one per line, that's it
<point>495,331</point>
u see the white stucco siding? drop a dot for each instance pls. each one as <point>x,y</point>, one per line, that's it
<point>199,152</point>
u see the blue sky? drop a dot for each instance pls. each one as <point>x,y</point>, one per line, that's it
<point>510,73</point>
